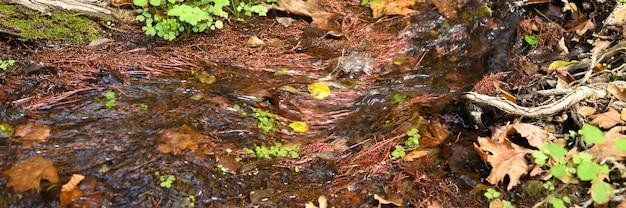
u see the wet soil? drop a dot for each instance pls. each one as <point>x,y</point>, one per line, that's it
<point>162,90</point>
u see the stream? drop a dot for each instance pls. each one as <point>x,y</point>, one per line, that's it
<point>120,148</point>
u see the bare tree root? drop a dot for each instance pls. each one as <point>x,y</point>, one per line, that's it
<point>575,96</point>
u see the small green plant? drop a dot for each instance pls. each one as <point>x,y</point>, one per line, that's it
<point>558,202</point>
<point>168,18</point>
<point>266,121</point>
<point>363,2</point>
<point>398,98</point>
<point>580,165</point>
<point>192,200</point>
<point>110,97</point>
<point>413,140</point>
<point>492,194</point>
<point>278,150</point>
<point>6,64</point>
<point>531,39</point>
<point>398,152</point>
<point>165,182</point>
<point>248,8</point>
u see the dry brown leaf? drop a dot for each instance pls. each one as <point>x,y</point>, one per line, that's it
<point>607,149</point>
<point>28,173</point>
<point>311,8</point>
<point>607,119</point>
<point>32,132</point>
<point>74,181</point>
<point>506,94</point>
<point>447,8</point>
<point>496,203</point>
<point>617,16</point>
<point>254,42</point>
<point>392,7</point>
<point>600,45</point>
<point>617,89</point>
<point>69,191</point>
<point>414,155</point>
<point>381,200</point>
<point>433,135</point>
<point>582,27</point>
<point>505,157</point>
<point>586,111</point>
<point>175,141</point>
<point>565,77</point>
<point>622,204</point>
<point>534,135</point>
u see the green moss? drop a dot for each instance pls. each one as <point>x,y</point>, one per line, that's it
<point>69,28</point>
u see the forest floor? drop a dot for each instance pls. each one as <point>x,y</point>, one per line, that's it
<point>158,123</point>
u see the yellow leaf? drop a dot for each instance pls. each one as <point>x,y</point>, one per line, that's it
<point>559,63</point>
<point>319,90</point>
<point>299,127</point>
<point>381,200</point>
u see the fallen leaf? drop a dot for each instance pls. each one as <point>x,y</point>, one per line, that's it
<point>617,16</point>
<point>582,27</point>
<point>321,19</point>
<point>505,157</point>
<point>28,173</point>
<point>381,200</point>
<point>433,135</point>
<point>414,155</point>
<point>535,135</point>
<point>99,42</point>
<point>504,93</point>
<point>607,119</point>
<point>392,7</point>
<point>32,133</point>
<point>175,141</point>
<point>617,89</point>
<point>586,111</point>
<point>299,127</point>
<point>607,149</point>
<point>69,191</point>
<point>205,77</point>
<point>565,77</point>
<point>447,8</point>
<point>319,90</point>
<point>254,42</point>
<point>558,64</point>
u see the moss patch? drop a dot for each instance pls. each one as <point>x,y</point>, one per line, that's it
<point>69,28</point>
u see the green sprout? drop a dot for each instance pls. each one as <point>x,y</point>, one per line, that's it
<point>531,39</point>
<point>398,152</point>
<point>413,140</point>
<point>278,150</point>
<point>6,64</point>
<point>398,98</point>
<point>192,200</point>
<point>110,97</point>
<point>167,182</point>
<point>492,194</point>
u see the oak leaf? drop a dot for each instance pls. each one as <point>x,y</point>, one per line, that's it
<point>392,7</point>
<point>32,133</point>
<point>607,119</point>
<point>175,141</point>
<point>607,149</point>
<point>28,173</point>
<point>70,190</point>
<point>505,157</point>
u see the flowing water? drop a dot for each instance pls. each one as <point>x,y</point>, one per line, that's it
<point>118,146</point>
